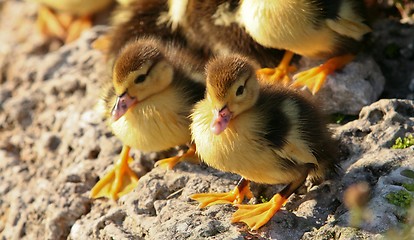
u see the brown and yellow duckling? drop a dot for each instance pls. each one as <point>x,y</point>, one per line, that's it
<point>211,26</point>
<point>329,30</point>
<point>137,18</point>
<point>67,19</point>
<point>265,133</point>
<point>154,89</point>
<point>317,29</point>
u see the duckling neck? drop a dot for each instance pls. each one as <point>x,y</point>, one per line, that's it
<point>156,124</point>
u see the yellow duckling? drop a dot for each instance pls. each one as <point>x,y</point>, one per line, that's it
<point>265,133</point>
<point>153,91</point>
<point>316,29</point>
<point>66,19</point>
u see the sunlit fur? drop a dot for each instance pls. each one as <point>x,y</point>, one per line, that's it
<point>176,13</point>
<point>349,23</point>
<point>243,147</point>
<point>296,25</point>
<point>159,120</point>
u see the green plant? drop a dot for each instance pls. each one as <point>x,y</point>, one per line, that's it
<point>401,198</point>
<point>404,199</point>
<point>401,143</point>
<point>340,118</point>
<point>408,173</point>
<point>409,186</point>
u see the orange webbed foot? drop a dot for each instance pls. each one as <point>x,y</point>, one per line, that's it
<point>169,163</point>
<point>314,78</point>
<point>51,25</point>
<point>63,26</point>
<point>76,28</point>
<point>279,74</point>
<point>236,196</point>
<point>119,181</point>
<point>258,215</point>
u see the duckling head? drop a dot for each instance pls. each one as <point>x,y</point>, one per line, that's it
<point>232,88</point>
<point>139,72</point>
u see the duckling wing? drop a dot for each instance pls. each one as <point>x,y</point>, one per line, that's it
<point>289,126</point>
<point>348,20</point>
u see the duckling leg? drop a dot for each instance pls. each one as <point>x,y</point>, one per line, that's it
<point>281,72</point>
<point>119,181</point>
<point>241,191</point>
<point>49,23</point>
<point>75,29</point>
<point>169,163</point>
<point>258,215</point>
<point>315,77</point>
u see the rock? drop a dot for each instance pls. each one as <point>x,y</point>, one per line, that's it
<point>4,95</point>
<point>393,49</point>
<point>160,207</point>
<point>20,111</point>
<point>330,231</point>
<point>54,146</point>
<point>373,160</point>
<point>358,84</point>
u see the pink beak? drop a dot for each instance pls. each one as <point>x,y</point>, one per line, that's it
<point>122,104</point>
<point>220,120</point>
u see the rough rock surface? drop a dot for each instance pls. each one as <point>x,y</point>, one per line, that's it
<point>358,84</point>
<point>54,146</point>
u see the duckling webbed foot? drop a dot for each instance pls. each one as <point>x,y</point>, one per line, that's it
<point>279,73</point>
<point>258,215</point>
<point>51,25</point>
<point>63,26</point>
<point>169,163</point>
<point>236,196</point>
<point>119,181</point>
<point>77,27</point>
<point>314,78</point>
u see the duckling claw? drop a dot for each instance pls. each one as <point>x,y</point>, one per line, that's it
<point>119,181</point>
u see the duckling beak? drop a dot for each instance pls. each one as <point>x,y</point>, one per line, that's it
<point>220,120</point>
<point>122,104</point>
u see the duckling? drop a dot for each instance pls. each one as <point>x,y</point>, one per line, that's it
<point>134,19</point>
<point>68,18</point>
<point>211,27</point>
<point>155,85</point>
<point>329,30</point>
<point>266,133</point>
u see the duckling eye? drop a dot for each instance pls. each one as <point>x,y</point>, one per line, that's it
<point>141,78</point>
<point>240,90</point>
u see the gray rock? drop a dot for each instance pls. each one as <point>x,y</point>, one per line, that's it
<point>373,160</point>
<point>160,207</point>
<point>392,48</point>
<point>49,164</point>
<point>346,91</point>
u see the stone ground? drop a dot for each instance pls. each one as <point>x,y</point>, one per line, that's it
<point>54,146</point>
